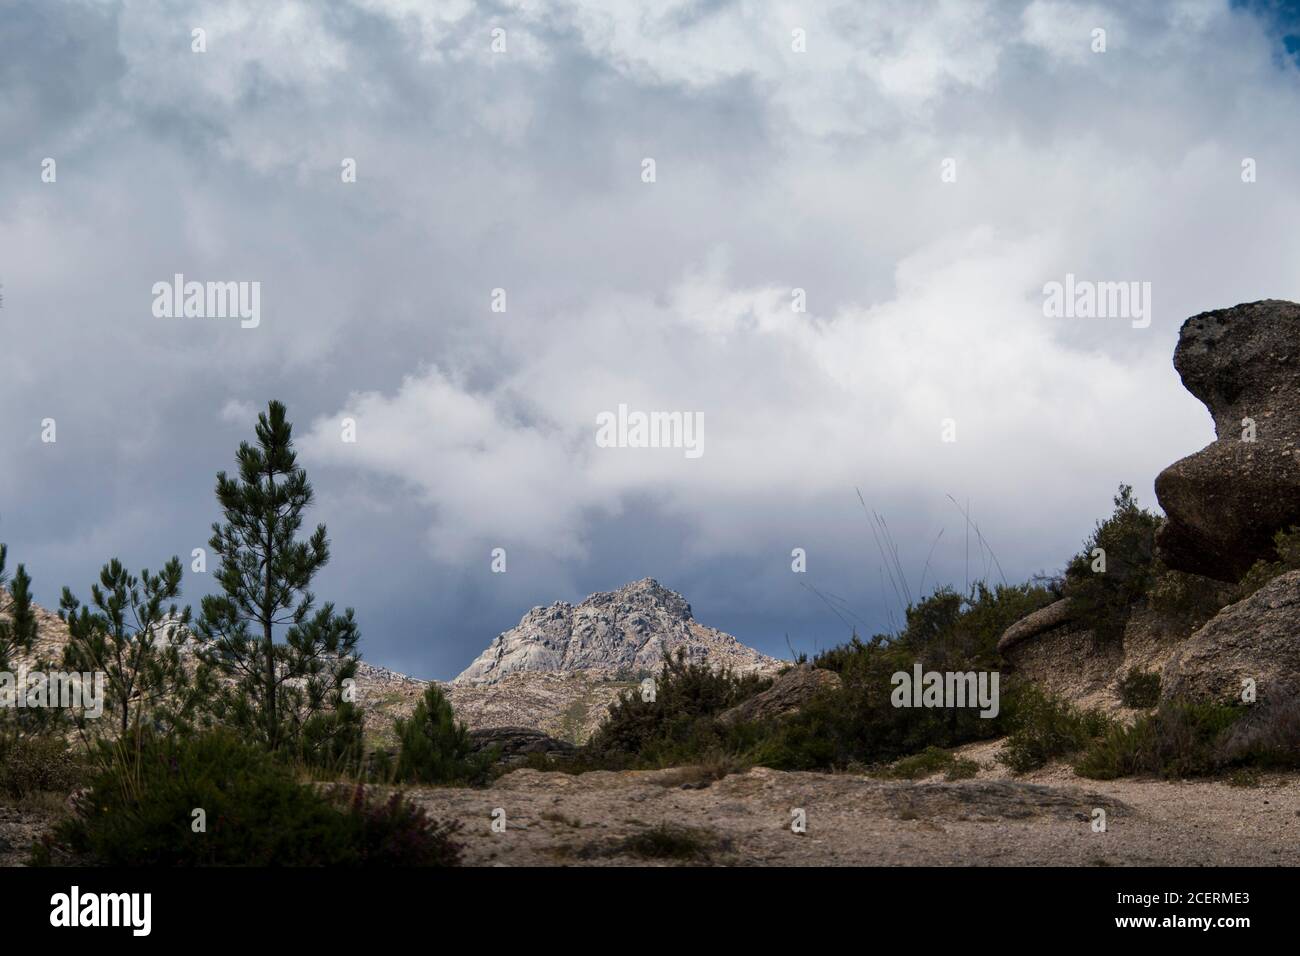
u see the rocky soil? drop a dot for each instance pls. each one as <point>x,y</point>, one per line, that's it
<point>993,819</point>
<point>1043,819</point>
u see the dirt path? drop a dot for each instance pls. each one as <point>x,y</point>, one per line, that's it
<point>992,819</point>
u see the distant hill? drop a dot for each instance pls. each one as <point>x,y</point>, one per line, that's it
<point>611,635</point>
<point>557,671</point>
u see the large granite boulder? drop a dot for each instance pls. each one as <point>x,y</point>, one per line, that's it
<point>516,744</point>
<point>1257,638</point>
<point>1045,619</point>
<point>788,693</point>
<point>1225,502</point>
<point>1061,655</point>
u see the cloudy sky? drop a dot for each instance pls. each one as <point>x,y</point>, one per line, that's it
<point>521,169</point>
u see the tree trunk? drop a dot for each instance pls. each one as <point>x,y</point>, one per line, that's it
<point>268,635</point>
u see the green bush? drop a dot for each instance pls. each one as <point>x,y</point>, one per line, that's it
<point>139,811</point>
<point>1139,688</point>
<point>678,725</point>
<point>1181,739</point>
<point>930,761</point>
<point>856,724</point>
<point>1267,736</point>
<point>435,747</point>
<point>331,741</point>
<point>35,764</point>
<point>1286,544</point>
<point>859,724</point>
<point>1043,728</point>
<point>1188,599</point>
<point>1104,600</point>
<point>670,842</point>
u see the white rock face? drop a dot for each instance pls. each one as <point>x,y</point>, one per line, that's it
<point>611,634</point>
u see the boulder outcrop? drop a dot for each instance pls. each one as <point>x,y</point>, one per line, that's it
<point>1044,619</point>
<point>1225,502</point>
<point>517,743</point>
<point>1256,638</point>
<point>788,693</point>
<point>1063,656</point>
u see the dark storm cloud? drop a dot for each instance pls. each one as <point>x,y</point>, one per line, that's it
<point>521,170</point>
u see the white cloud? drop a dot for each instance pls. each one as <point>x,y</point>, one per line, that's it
<point>796,406</point>
<point>238,412</point>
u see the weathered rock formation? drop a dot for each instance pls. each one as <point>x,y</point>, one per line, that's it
<point>787,694</point>
<point>611,634</point>
<point>1223,505</point>
<point>516,744</point>
<point>1255,638</point>
<point>1063,656</point>
<point>1225,502</point>
<point>1044,619</point>
<point>569,706</point>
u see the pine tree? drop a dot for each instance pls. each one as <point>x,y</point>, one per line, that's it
<point>17,635</point>
<point>17,620</point>
<point>134,638</point>
<point>435,747</point>
<point>290,693</point>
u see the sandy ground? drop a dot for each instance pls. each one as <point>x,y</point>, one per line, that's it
<point>993,819</point>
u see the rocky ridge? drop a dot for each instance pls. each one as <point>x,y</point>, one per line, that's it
<point>611,635</point>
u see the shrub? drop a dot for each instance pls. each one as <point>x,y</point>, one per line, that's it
<point>1139,688</point>
<point>35,764</point>
<point>669,842</point>
<point>1267,735</point>
<point>933,760</point>
<point>1043,728</point>
<point>1286,544</point>
<point>1188,599</point>
<point>678,724</point>
<point>435,747</point>
<point>396,832</point>
<point>332,741</point>
<point>854,725</point>
<point>1105,600</point>
<point>139,811</point>
<point>859,724</point>
<point>1181,739</point>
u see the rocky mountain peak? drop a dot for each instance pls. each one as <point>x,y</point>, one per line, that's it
<point>610,634</point>
<point>647,594</point>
